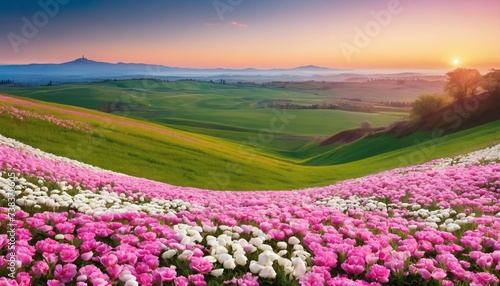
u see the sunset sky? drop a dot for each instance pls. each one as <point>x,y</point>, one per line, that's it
<point>255,33</point>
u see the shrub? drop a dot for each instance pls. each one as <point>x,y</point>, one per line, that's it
<point>425,104</point>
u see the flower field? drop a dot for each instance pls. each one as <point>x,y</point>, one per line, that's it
<point>67,223</point>
<point>22,115</point>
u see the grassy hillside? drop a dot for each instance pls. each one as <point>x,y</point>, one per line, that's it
<point>156,152</point>
<point>229,112</point>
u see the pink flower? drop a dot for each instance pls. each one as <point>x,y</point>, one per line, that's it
<point>40,268</point>
<point>54,282</point>
<point>65,273</point>
<point>312,279</point>
<point>484,278</point>
<point>87,256</point>
<point>50,257</point>
<point>65,227</point>
<point>181,281</point>
<point>200,265</point>
<point>485,261</point>
<point>8,282</point>
<point>197,279</point>
<point>114,271</point>
<point>145,279</point>
<point>164,274</point>
<point>23,278</point>
<point>109,260</point>
<point>69,253</point>
<point>354,265</point>
<point>438,274</point>
<point>378,273</point>
<point>151,260</point>
<point>325,258</point>
<point>395,265</point>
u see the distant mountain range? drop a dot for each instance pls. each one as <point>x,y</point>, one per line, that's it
<point>86,69</point>
<point>83,69</point>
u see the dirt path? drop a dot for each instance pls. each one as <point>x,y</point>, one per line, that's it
<point>4,98</point>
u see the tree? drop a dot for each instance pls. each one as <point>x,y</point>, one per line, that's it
<point>366,125</point>
<point>462,83</point>
<point>491,81</point>
<point>426,104</point>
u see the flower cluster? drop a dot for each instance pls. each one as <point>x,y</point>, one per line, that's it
<point>435,224</point>
<point>22,115</point>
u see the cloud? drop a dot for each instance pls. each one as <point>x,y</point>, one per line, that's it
<point>239,25</point>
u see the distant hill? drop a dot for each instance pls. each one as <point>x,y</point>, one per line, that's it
<point>83,69</point>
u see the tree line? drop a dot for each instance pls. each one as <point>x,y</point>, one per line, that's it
<point>461,83</point>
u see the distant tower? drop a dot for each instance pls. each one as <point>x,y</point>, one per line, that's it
<point>83,56</point>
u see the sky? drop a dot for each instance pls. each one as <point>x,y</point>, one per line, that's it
<point>374,34</point>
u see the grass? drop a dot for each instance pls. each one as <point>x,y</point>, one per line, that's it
<point>156,152</point>
<point>213,136</point>
<point>230,112</point>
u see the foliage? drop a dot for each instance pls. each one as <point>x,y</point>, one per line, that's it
<point>463,82</point>
<point>491,82</point>
<point>427,104</point>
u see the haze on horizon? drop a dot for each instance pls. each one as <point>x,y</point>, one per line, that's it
<point>260,34</point>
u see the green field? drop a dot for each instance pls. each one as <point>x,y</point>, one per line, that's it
<point>231,112</point>
<point>214,142</point>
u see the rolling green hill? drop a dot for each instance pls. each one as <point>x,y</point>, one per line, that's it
<point>229,112</point>
<point>177,157</point>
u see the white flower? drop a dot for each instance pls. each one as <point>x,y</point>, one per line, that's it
<point>268,272</point>
<point>298,247</point>
<point>255,267</point>
<point>288,270</point>
<point>241,259</point>
<point>256,241</point>
<point>210,259</point>
<point>169,254</point>
<point>126,275</point>
<point>265,247</point>
<point>217,272</point>
<point>452,227</point>
<point>229,264</point>
<point>224,257</point>
<point>81,278</point>
<point>59,236</point>
<point>293,240</point>
<point>282,245</point>
<point>131,283</point>
<point>283,252</point>
<point>300,267</point>
<point>186,255</point>
<point>284,262</point>
<point>267,258</point>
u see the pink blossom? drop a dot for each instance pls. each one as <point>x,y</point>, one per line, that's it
<point>485,261</point>
<point>40,268</point>
<point>23,279</point>
<point>164,274</point>
<point>65,273</point>
<point>325,258</point>
<point>200,265</point>
<point>181,281</point>
<point>145,279</point>
<point>109,260</point>
<point>312,279</point>
<point>68,253</point>
<point>197,279</point>
<point>354,265</point>
<point>438,274</point>
<point>378,273</point>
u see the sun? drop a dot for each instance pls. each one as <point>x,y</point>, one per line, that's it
<point>456,62</point>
